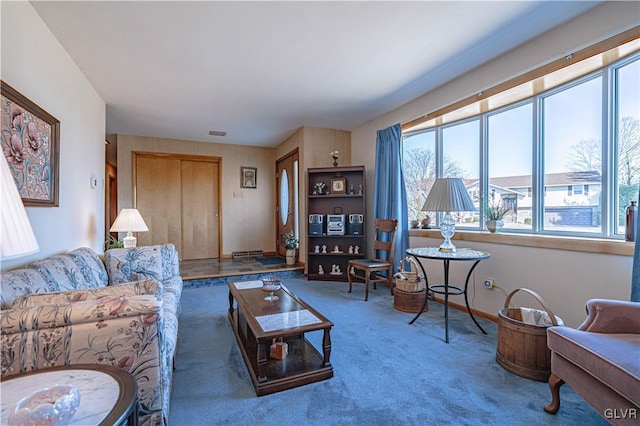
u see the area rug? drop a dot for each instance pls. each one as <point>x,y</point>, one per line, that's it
<point>271,260</point>
<point>386,372</point>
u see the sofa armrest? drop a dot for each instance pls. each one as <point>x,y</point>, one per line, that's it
<point>73,313</point>
<point>612,316</point>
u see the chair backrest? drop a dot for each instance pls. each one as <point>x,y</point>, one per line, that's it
<point>384,227</point>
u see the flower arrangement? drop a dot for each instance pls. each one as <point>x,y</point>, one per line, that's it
<point>335,155</point>
<point>494,209</point>
<point>319,187</point>
<point>290,240</point>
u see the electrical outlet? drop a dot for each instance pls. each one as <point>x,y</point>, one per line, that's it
<point>489,284</point>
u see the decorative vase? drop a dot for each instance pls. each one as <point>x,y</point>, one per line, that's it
<point>291,257</point>
<point>335,163</point>
<point>494,225</point>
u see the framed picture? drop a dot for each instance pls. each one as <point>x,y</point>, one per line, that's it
<point>31,144</point>
<point>248,177</point>
<point>338,185</point>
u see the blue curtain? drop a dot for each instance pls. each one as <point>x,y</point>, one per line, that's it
<point>390,197</point>
<point>635,275</point>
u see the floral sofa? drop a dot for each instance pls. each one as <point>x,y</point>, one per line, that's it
<point>79,308</point>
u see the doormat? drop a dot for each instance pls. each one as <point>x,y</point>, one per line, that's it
<point>271,260</point>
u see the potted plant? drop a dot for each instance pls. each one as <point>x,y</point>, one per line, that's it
<point>494,212</point>
<point>319,188</point>
<point>112,242</point>
<point>291,244</point>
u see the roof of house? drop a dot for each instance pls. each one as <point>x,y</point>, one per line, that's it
<point>551,179</point>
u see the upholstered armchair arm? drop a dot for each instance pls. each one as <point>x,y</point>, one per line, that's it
<point>612,316</point>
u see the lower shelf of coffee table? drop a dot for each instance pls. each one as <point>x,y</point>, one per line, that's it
<point>303,364</point>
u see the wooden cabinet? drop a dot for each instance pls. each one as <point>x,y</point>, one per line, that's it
<point>343,195</point>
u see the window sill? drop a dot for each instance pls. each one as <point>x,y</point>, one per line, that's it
<point>589,245</point>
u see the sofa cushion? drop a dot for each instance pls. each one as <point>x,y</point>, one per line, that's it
<point>19,282</point>
<point>134,264</point>
<point>610,358</point>
<point>146,287</point>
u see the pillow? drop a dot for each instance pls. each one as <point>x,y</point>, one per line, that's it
<point>150,287</point>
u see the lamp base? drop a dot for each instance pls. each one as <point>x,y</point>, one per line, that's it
<point>447,247</point>
<point>448,229</point>
<point>129,241</point>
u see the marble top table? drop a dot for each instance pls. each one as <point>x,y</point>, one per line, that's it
<point>108,395</point>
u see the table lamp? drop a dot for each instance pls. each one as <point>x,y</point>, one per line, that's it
<point>17,236</point>
<point>129,221</point>
<point>448,195</point>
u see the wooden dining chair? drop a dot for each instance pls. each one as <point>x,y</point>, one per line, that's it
<point>369,270</point>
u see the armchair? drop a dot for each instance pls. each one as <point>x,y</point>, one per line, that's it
<point>600,360</point>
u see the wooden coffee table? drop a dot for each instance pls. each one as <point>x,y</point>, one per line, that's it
<point>257,322</point>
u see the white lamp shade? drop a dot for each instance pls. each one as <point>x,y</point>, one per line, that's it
<point>17,236</point>
<point>448,195</point>
<point>129,220</point>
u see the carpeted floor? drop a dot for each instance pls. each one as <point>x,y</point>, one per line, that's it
<point>386,372</point>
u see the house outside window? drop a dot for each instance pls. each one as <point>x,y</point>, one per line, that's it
<point>550,157</point>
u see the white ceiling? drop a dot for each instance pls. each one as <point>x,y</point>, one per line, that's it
<point>260,70</point>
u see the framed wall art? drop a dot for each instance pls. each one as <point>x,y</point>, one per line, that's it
<point>31,144</point>
<point>248,177</point>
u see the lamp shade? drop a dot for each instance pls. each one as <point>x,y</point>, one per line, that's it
<point>17,236</point>
<point>448,195</point>
<point>129,220</point>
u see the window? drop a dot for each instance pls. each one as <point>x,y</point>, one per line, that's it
<point>461,154</point>
<point>572,131</point>
<point>509,139</point>
<point>627,136</point>
<point>419,166</point>
<point>566,159</point>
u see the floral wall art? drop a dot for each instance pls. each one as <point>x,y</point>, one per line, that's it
<point>30,143</point>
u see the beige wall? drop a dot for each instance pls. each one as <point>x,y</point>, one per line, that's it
<point>314,146</point>
<point>566,280</point>
<point>35,64</point>
<point>248,218</point>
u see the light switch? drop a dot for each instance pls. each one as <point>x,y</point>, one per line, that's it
<point>238,194</point>
<point>93,181</point>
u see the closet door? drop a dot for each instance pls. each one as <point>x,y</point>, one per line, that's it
<point>200,217</point>
<point>157,198</point>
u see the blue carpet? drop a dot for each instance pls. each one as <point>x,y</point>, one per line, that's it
<point>386,372</point>
<point>271,260</point>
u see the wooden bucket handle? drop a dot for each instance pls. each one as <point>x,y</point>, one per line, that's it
<point>412,261</point>
<point>538,298</point>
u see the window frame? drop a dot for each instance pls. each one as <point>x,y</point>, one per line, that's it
<point>609,204</point>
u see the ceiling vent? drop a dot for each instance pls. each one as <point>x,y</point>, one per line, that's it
<point>217,133</point>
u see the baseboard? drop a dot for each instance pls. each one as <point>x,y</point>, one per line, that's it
<point>463,308</point>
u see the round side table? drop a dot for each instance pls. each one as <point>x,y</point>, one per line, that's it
<point>108,395</point>
<point>446,289</point>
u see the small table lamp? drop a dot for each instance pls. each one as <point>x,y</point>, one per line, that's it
<point>448,195</point>
<point>17,237</point>
<point>129,221</point>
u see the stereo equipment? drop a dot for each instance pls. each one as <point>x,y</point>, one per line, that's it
<point>316,225</point>
<point>335,224</point>
<point>355,224</point>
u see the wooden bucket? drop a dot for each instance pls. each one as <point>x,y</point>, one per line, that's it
<point>408,280</point>
<point>409,301</point>
<point>522,347</point>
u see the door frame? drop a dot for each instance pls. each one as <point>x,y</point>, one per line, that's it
<point>134,179</point>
